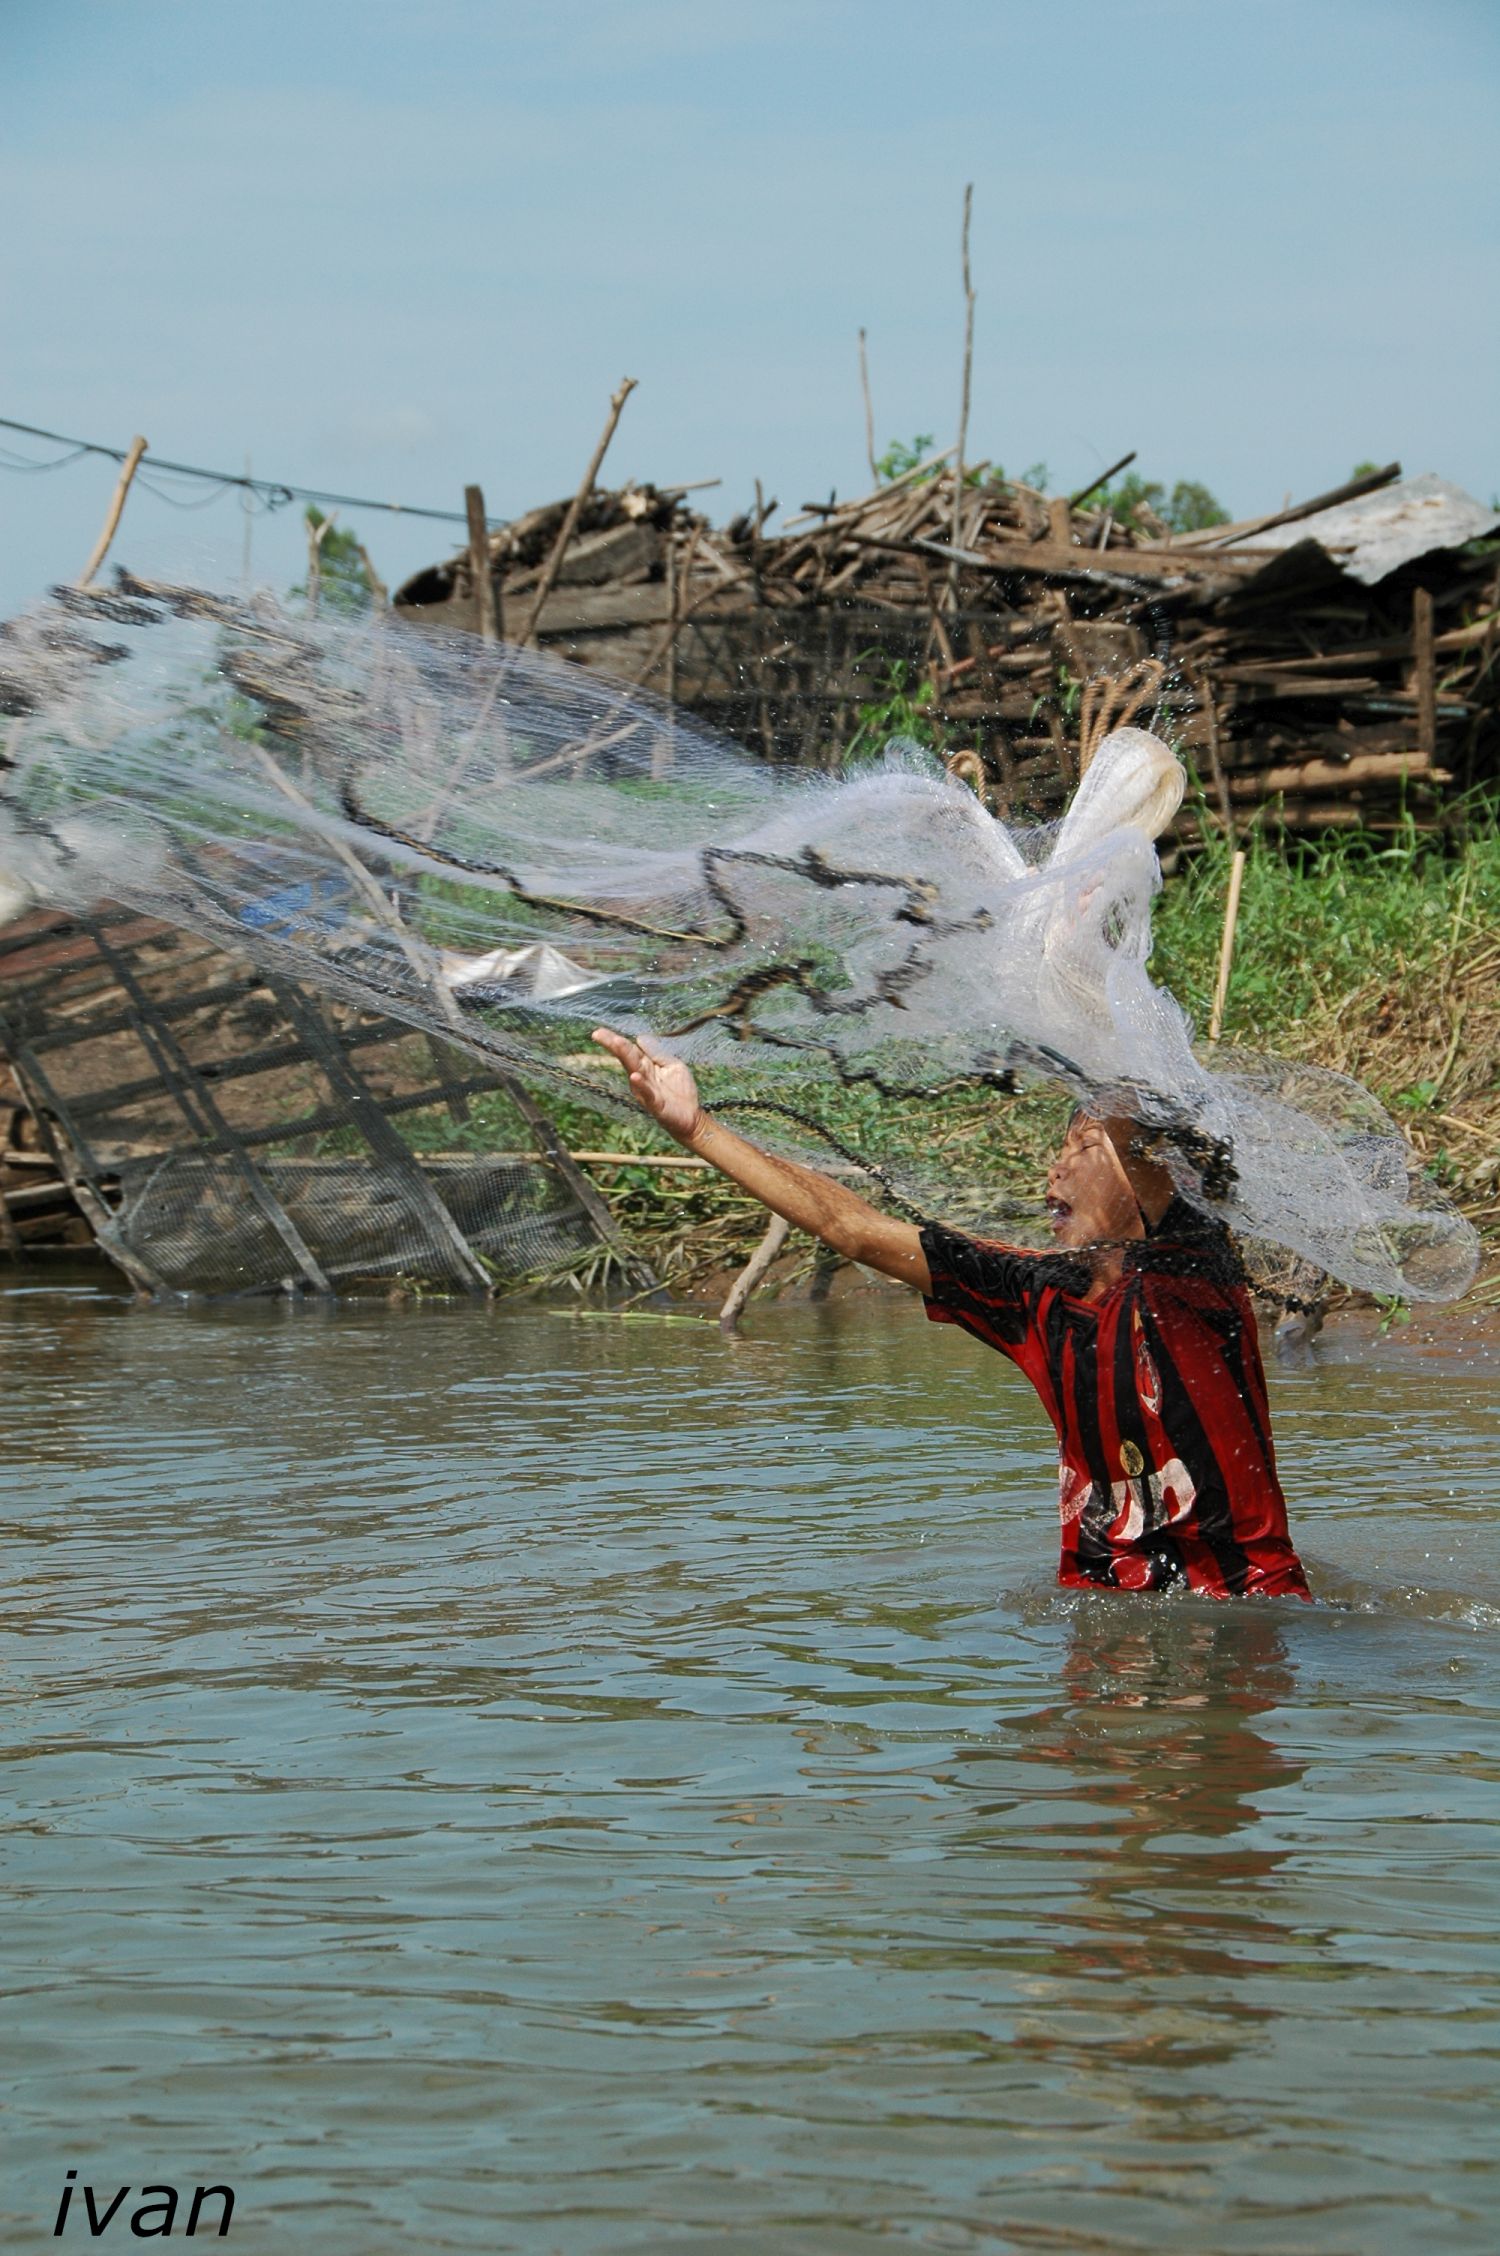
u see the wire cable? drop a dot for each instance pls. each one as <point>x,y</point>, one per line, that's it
<point>274,493</point>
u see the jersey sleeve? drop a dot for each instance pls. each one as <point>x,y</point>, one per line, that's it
<point>989,1290</point>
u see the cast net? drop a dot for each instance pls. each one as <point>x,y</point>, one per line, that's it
<point>505,851</point>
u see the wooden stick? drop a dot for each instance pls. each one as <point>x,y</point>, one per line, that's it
<point>485,618</point>
<point>1426,670</point>
<point>380,594</point>
<point>1226,535</point>
<point>1226,945</point>
<point>752,1273</point>
<point>575,510</point>
<point>550,1144</point>
<point>316,535</point>
<point>1209,696</point>
<point>757,546</point>
<point>864,385</point>
<point>963,406</point>
<point>11,1241</point>
<point>1076,500</point>
<point>817,512</point>
<point>1313,774</point>
<point>1451,1059</point>
<point>72,1159</point>
<point>641,1159</point>
<point>113,513</point>
<point>672,620</point>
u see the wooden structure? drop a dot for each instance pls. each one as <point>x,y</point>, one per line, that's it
<point>214,1129</point>
<point>1334,663</point>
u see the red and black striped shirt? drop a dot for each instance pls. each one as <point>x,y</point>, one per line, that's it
<point>1166,1469</point>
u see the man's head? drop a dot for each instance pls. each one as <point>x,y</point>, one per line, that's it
<point>1089,1193</point>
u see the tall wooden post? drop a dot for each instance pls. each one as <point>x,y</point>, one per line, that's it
<point>1208,697</point>
<point>112,515</point>
<point>1426,673</point>
<point>553,564</point>
<point>963,410</point>
<point>486,619</point>
<point>752,1273</point>
<point>1226,944</point>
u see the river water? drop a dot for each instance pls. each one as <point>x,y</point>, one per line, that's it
<point>518,1782</point>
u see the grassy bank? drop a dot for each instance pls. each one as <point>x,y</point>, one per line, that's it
<point>1374,955</point>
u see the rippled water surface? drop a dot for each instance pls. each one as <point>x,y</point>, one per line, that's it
<point>497,1782</point>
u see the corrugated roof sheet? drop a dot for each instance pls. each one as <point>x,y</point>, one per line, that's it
<point>1374,535</point>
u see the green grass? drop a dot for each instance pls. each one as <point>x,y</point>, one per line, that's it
<point>1321,922</point>
<point>1351,950</point>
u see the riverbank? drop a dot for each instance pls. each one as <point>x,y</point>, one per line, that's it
<point>1370,955</point>
<point>1366,953</point>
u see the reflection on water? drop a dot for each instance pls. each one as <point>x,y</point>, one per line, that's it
<point>487,1782</point>
<point>1157,1723</point>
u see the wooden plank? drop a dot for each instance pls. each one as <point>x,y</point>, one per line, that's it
<point>481,569</point>
<point>1323,775</point>
<point>615,557</point>
<point>10,1237</point>
<point>196,1103</point>
<point>390,1147</point>
<point>1352,488</point>
<point>1425,667</point>
<point>75,1165</point>
<point>1049,560</point>
<point>594,610</point>
<point>318,1122</point>
<point>1262,685</point>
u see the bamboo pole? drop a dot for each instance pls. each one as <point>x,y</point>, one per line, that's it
<point>575,510</point>
<point>316,535</point>
<point>864,385</point>
<point>1226,945</point>
<point>672,600</point>
<point>1084,493</point>
<point>380,594</point>
<point>485,618</point>
<point>963,405</point>
<point>113,514</point>
<point>1208,697</point>
<point>752,1273</point>
<point>1426,672</point>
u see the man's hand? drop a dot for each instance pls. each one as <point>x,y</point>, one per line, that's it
<point>661,1085</point>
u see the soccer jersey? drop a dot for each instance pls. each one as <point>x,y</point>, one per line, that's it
<point>1166,1471</point>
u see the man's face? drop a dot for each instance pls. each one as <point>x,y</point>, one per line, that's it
<point>1088,1194</point>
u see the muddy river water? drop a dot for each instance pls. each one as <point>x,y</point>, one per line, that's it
<point>511,1781</point>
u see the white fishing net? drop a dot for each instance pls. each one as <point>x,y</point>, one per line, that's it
<point>506,851</point>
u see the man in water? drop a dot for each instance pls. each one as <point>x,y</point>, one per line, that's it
<point>1141,1343</point>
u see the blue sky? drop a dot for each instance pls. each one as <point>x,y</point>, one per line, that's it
<point>393,248</point>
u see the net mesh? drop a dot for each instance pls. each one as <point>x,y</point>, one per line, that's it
<point>188,1217</point>
<point>232,1134</point>
<point>410,824</point>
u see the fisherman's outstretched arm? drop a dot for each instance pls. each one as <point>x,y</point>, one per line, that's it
<point>664,1088</point>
